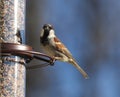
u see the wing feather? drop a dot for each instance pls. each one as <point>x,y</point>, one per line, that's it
<point>61,48</point>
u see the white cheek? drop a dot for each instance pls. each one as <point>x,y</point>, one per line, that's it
<point>42,33</point>
<point>51,34</point>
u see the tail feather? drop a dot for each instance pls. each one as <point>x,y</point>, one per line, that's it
<point>79,68</point>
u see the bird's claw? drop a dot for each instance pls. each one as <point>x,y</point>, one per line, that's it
<point>52,61</point>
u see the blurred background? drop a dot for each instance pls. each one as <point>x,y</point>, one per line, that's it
<point>91,31</point>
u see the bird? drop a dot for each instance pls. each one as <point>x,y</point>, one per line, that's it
<point>53,47</point>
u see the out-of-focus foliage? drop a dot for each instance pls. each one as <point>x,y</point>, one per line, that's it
<point>90,29</point>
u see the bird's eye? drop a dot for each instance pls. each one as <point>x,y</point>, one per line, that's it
<point>50,27</point>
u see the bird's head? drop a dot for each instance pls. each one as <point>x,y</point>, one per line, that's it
<point>47,31</point>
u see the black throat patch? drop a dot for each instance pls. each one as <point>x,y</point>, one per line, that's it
<point>44,38</point>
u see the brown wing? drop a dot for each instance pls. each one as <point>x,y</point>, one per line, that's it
<point>61,48</point>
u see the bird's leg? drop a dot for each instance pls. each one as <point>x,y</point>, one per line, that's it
<point>52,61</point>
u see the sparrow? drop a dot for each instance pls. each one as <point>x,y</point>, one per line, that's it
<point>55,48</point>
